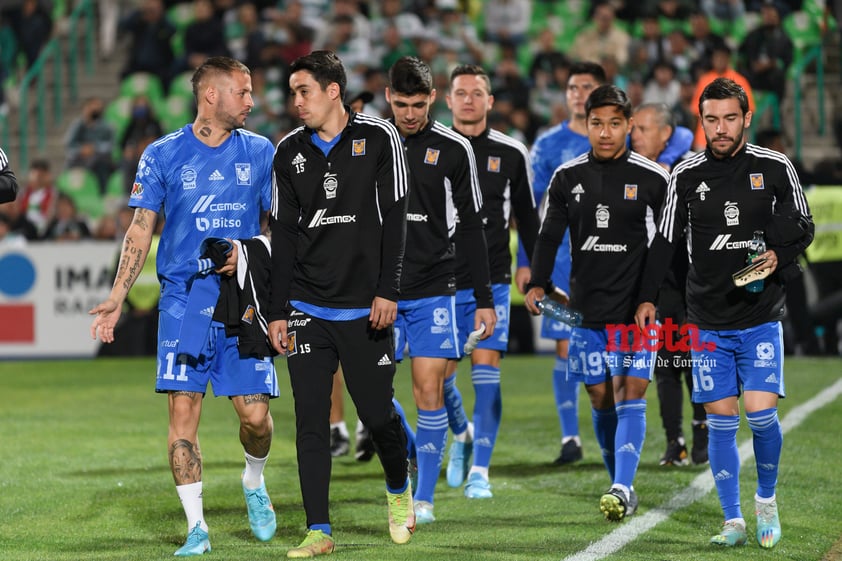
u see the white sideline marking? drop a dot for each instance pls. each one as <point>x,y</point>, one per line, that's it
<point>699,487</point>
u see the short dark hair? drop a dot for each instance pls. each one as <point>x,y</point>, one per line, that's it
<point>609,94</point>
<point>325,67</point>
<point>410,75</point>
<point>724,88</point>
<point>471,70</point>
<point>216,65</point>
<point>584,67</point>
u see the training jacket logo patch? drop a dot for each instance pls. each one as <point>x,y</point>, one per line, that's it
<point>432,156</point>
<point>732,214</point>
<point>243,173</point>
<point>630,192</point>
<point>494,164</point>
<point>602,216</point>
<point>756,181</point>
<point>702,189</point>
<point>188,178</point>
<point>292,347</point>
<point>330,184</point>
<point>358,147</point>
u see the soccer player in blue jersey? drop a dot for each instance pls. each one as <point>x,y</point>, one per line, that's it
<point>210,178</point>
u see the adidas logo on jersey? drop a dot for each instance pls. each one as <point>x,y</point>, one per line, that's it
<point>208,312</point>
<point>298,159</point>
<point>384,361</point>
<point>446,345</point>
<point>578,189</point>
<point>702,189</point>
<point>216,176</point>
<point>771,379</point>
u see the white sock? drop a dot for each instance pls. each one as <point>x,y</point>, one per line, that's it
<point>739,521</point>
<point>191,500</point>
<point>253,474</point>
<point>483,471</point>
<point>343,429</point>
<point>467,436</point>
<point>763,501</point>
<point>574,438</point>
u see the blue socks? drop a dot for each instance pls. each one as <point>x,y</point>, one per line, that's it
<point>768,440</point>
<point>488,410</point>
<point>605,429</point>
<point>430,440</point>
<point>725,462</point>
<point>453,403</point>
<point>631,431</point>
<point>566,399</point>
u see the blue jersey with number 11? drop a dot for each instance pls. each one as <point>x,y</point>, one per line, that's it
<point>201,192</point>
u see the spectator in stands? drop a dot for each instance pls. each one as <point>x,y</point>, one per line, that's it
<point>548,74</point>
<point>602,37</point>
<point>673,14</point>
<point>37,203</point>
<point>766,52</point>
<point>7,236</point>
<point>67,225</point>
<point>142,129</point>
<point>202,38</point>
<point>33,26</point>
<point>683,111</point>
<point>703,41</point>
<point>151,41</point>
<point>662,86</point>
<point>456,34</point>
<point>679,52</point>
<point>392,45</point>
<point>652,45</point>
<point>90,141</point>
<point>507,20</point>
<point>392,15</point>
<point>20,227</point>
<point>720,68</point>
<point>724,10</point>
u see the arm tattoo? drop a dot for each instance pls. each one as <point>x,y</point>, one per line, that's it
<point>186,462</point>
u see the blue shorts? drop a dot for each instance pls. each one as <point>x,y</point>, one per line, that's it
<point>466,307</point>
<point>428,325</point>
<point>554,329</point>
<point>590,360</point>
<point>220,364</point>
<point>741,360</point>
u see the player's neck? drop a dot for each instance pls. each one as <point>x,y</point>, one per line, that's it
<point>209,133</point>
<point>578,124</point>
<point>334,125</point>
<point>470,129</point>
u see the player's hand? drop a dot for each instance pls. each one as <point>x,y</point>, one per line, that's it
<point>383,313</point>
<point>522,276</point>
<point>487,317</point>
<point>230,266</point>
<point>535,294</point>
<point>107,313</point>
<point>278,335</point>
<point>645,315</point>
<point>771,261</point>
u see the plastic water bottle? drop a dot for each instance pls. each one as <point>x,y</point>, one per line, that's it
<point>560,312</point>
<point>758,246</point>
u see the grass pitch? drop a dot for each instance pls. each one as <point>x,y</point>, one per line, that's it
<point>84,476</point>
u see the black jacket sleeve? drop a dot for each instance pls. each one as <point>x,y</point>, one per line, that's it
<point>8,181</point>
<point>393,186</point>
<point>285,214</point>
<point>551,235</point>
